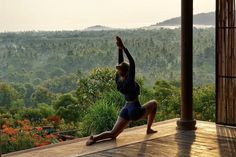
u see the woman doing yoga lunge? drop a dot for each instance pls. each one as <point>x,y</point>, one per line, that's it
<point>132,110</point>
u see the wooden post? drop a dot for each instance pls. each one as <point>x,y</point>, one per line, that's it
<point>0,142</point>
<point>186,122</point>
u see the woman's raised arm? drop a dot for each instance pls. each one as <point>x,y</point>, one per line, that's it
<point>120,56</point>
<point>131,72</point>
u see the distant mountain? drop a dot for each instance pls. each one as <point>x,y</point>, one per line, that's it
<point>198,19</point>
<point>98,28</point>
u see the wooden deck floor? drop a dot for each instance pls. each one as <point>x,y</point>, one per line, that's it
<point>208,140</point>
<point>181,144</point>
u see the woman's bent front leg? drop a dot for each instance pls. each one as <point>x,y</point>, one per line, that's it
<point>150,112</point>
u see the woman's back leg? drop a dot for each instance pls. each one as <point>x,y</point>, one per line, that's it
<point>119,126</point>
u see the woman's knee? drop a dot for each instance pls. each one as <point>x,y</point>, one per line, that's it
<point>114,134</point>
<point>154,104</point>
<point>110,134</point>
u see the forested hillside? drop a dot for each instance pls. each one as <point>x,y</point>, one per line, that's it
<point>33,57</point>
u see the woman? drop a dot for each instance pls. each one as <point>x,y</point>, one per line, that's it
<point>132,111</point>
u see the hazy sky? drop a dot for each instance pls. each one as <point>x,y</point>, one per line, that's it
<point>21,15</point>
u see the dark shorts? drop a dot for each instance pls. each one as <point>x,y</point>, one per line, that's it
<point>132,111</point>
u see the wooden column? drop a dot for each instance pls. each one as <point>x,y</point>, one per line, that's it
<point>0,142</point>
<point>186,122</point>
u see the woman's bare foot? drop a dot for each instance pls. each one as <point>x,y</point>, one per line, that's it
<point>150,131</point>
<point>90,141</point>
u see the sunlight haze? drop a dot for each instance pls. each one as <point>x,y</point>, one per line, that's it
<point>24,15</point>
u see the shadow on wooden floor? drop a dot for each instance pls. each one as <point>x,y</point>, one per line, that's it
<point>226,137</point>
<point>184,148</point>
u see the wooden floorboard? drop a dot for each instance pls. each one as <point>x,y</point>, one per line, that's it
<point>181,144</point>
<point>209,140</point>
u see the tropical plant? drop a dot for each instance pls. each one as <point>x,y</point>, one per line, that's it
<point>100,117</point>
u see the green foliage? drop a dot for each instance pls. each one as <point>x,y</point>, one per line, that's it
<point>57,72</point>
<point>146,94</point>
<point>29,89</point>
<point>100,117</point>
<point>16,106</point>
<point>19,88</point>
<point>163,89</point>
<point>36,81</point>
<point>42,95</point>
<point>67,107</point>
<point>114,97</point>
<point>169,107</point>
<point>41,74</point>
<point>103,77</point>
<point>4,117</point>
<point>62,84</point>
<point>45,109</point>
<point>2,110</point>
<point>168,97</point>
<point>32,114</point>
<point>7,95</point>
<point>23,141</point>
<point>204,103</point>
<point>91,88</point>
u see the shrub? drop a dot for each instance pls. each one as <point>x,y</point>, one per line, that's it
<point>114,97</point>
<point>45,110</point>
<point>5,118</point>
<point>204,103</point>
<point>146,95</point>
<point>101,117</point>
<point>169,107</point>
<point>23,136</point>
<point>168,96</point>
<point>67,108</point>
<point>20,142</point>
<point>32,114</point>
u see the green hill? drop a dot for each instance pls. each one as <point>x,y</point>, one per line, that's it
<point>198,19</point>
